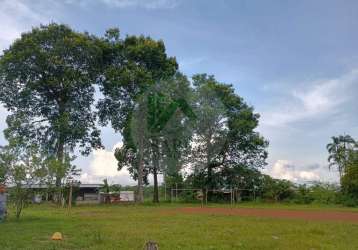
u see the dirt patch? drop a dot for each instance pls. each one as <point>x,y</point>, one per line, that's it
<point>277,213</point>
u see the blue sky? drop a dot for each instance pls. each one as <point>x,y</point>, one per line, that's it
<point>296,62</point>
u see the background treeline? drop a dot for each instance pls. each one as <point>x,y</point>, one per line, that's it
<point>253,185</point>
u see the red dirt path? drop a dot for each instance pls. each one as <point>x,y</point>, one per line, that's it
<point>277,213</point>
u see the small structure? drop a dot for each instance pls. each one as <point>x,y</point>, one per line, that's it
<point>126,196</point>
<point>117,197</point>
<point>84,194</point>
<point>109,198</point>
<point>89,194</point>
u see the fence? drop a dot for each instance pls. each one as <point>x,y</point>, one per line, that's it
<point>191,194</point>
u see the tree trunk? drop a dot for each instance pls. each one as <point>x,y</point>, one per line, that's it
<point>60,151</point>
<point>209,181</point>
<point>19,201</point>
<point>140,195</point>
<point>59,156</point>
<point>156,188</point>
<point>155,147</point>
<point>140,192</point>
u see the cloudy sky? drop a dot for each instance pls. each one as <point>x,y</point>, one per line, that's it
<point>296,62</point>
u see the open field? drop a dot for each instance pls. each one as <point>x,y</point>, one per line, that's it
<point>175,226</point>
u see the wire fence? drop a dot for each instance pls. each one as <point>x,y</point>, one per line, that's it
<point>204,196</point>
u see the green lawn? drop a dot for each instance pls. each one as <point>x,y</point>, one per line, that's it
<point>129,227</point>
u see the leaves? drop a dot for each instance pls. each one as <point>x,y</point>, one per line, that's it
<point>224,136</point>
<point>46,80</point>
<point>339,150</point>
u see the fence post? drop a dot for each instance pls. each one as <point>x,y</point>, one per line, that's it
<point>231,197</point>
<point>176,191</point>
<point>165,191</point>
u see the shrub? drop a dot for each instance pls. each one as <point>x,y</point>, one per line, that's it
<point>349,201</point>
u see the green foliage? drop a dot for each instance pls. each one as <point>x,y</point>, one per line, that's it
<point>224,138</point>
<point>349,180</point>
<point>22,168</point>
<point>320,193</point>
<point>277,189</point>
<point>343,154</point>
<point>159,124</point>
<point>107,188</point>
<point>323,193</point>
<point>174,179</point>
<point>339,150</point>
<point>46,82</point>
<point>131,66</point>
<point>75,191</point>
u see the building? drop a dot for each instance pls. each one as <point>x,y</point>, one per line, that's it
<point>88,194</point>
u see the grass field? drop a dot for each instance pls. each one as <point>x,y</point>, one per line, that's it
<point>129,227</point>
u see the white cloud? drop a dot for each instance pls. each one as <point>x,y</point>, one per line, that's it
<point>104,165</point>
<point>284,169</point>
<point>320,98</point>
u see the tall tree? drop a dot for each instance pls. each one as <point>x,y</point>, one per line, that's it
<point>47,82</point>
<point>131,66</point>
<point>339,150</point>
<point>169,114</point>
<point>225,135</point>
<point>166,117</point>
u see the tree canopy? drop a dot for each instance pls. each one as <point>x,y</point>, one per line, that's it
<point>224,137</point>
<point>47,82</point>
<point>131,65</point>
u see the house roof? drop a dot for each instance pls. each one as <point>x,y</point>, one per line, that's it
<point>40,186</point>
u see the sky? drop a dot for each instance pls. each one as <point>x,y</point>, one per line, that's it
<point>295,62</point>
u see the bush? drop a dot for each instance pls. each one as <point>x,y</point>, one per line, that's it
<point>350,201</point>
<point>302,195</point>
<point>319,193</point>
<point>324,193</point>
<point>277,190</point>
